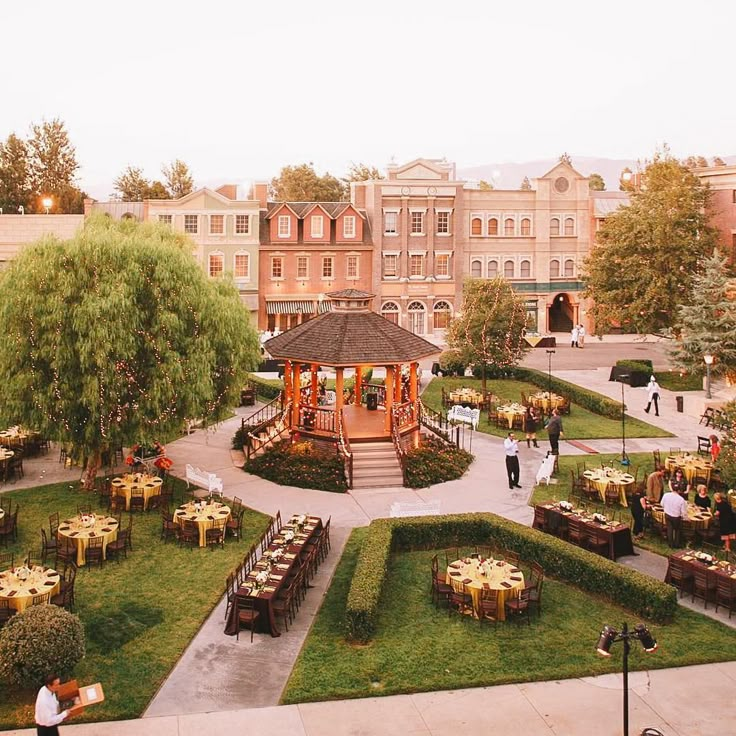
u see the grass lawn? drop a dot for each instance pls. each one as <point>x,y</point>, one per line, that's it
<point>419,649</point>
<point>581,423</point>
<point>138,614</point>
<point>674,381</point>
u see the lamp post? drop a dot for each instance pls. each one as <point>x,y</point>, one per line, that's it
<point>47,203</point>
<point>624,457</point>
<point>550,353</point>
<point>708,358</point>
<point>608,636</point>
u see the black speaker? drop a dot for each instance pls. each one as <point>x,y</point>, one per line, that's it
<point>371,401</point>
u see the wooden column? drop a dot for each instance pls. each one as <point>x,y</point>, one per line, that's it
<point>296,393</point>
<point>397,383</point>
<point>315,385</point>
<point>339,389</point>
<point>358,386</point>
<point>389,396</point>
<point>413,383</point>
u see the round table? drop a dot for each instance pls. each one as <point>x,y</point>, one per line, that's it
<point>601,477</point>
<point>699,518</point>
<point>691,465</point>
<point>509,411</point>
<point>542,400</point>
<point>19,593</point>
<point>126,484</point>
<point>74,529</point>
<point>502,576</point>
<point>204,516</point>
<point>466,396</point>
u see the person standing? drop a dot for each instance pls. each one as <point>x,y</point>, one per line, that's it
<point>653,391</point>
<point>675,510</point>
<point>530,426</point>
<point>47,714</point>
<point>638,508</point>
<point>554,431</point>
<point>726,519</point>
<point>678,483</point>
<point>511,446</point>
<point>581,336</point>
<point>715,448</point>
<point>655,484</point>
<point>574,335</point>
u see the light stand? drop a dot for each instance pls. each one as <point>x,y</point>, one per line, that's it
<point>708,358</point>
<point>624,457</point>
<point>608,636</point>
<point>550,353</point>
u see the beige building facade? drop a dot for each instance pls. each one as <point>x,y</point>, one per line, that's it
<point>17,231</point>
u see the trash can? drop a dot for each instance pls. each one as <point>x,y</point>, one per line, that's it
<point>680,403</point>
<point>371,402</point>
<point>435,369</point>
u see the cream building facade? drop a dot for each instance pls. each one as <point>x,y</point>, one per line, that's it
<point>16,231</point>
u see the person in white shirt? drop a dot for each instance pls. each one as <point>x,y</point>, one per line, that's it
<point>653,394</point>
<point>581,336</point>
<point>47,708</point>
<point>675,510</point>
<point>574,334</point>
<point>511,446</point>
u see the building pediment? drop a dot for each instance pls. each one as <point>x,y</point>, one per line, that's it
<point>421,168</point>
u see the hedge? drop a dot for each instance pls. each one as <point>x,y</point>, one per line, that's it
<point>640,365</point>
<point>597,403</point>
<point>639,593</point>
<point>266,388</point>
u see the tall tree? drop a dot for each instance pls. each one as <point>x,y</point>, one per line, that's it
<point>485,186</point>
<point>15,190</point>
<point>526,185</point>
<point>116,337</point>
<point>302,184</point>
<point>131,185</point>
<point>596,183</point>
<point>489,331</point>
<point>650,250</point>
<point>178,179</point>
<point>362,172</point>
<point>626,180</point>
<point>695,162</point>
<point>157,190</point>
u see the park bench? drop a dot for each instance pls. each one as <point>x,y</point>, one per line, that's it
<point>465,415</point>
<point>203,479</point>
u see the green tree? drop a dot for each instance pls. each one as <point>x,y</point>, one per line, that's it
<point>15,188</point>
<point>485,186</point>
<point>526,185</point>
<point>131,185</point>
<point>566,158</point>
<point>117,336</point>
<point>362,172</point>
<point>157,190</point>
<point>178,179</point>
<point>489,331</point>
<point>650,250</point>
<point>695,162</point>
<point>596,183</point>
<point>302,184</point>
<point>626,180</point>
<point>718,161</point>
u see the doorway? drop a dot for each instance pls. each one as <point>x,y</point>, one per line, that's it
<point>561,314</point>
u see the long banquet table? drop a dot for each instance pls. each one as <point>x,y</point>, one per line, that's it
<point>714,568</point>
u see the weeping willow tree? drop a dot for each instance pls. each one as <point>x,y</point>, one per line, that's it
<point>116,337</point>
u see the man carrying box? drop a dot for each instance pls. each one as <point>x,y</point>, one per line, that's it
<point>47,708</point>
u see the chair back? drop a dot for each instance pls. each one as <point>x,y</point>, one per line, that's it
<point>54,523</point>
<point>574,530</point>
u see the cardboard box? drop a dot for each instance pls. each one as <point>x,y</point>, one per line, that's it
<point>83,696</point>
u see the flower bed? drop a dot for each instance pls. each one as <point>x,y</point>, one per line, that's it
<point>435,462</point>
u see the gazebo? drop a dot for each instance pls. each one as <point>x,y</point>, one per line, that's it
<point>350,335</point>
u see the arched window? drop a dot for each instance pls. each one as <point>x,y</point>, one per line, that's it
<point>526,226</point>
<point>216,264</point>
<point>508,226</point>
<point>492,226</point>
<point>508,269</point>
<point>569,267</point>
<point>442,314</point>
<point>416,318</point>
<point>525,270</point>
<point>569,226</point>
<point>492,269</point>
<point>476,226</point>
<point>476,270</point>
<point>128,216</point>
<point>390,311</point>
<point>554,269</point>
<point>554,226</point>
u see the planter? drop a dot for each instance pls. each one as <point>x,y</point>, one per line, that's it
<point>635,378</point>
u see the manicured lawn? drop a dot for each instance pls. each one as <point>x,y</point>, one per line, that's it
<point>673,381</point>
<point>138,614</point>
<point>419,649</point>
<point>580,424</point>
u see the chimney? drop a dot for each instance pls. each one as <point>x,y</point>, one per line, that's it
<point>88,202</point>
<point>260,192</point>
<point>357,194</point>
<point>228,190</point>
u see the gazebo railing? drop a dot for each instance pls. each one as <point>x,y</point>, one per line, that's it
<point>375,388</point>
<point>268,433</point>
<point>263,415</point>
<point>436,422</point>
<point>405,414</point>
<point>396,439</point>
<point>343,449</point>
<point>317,419</point>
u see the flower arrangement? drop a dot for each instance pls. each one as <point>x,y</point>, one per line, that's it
<point>600,518</point>
<point>703,557</point>
<point>142,450</point>
<point>87,520</point>
<point>288,536</point>
<point>163,463</point>
<point>565,505</point>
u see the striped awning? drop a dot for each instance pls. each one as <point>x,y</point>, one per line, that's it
<point>290,306</point>
<point>324,306</point>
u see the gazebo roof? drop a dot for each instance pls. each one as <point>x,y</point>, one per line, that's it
<point>350,335</point>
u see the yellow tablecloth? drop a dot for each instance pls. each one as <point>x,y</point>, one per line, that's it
<point>541,400</point>
<point>700,518</point>
<point>466,396</point>
<point>690,464</point>
<point>498,573</point>
<point>39,582</point>
<point>105,527</point>
<point>205,517</point>
<point>123,486</point>
<point>5,454</point>
<point>510,411</point>
<point>601,477</point>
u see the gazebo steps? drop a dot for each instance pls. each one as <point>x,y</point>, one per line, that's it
<point>375,465</point>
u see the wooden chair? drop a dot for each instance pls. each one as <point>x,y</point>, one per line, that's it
<point>247,614</point>
<point>6,612</point>
<point>215,535</point>
<point>657,455</point>
<point>460,600</point>
<point>66,584</point>
<point>596,541</point>
<point>230,593</point>
<point>441,591</point>
<point>511,557</point>
<point>119,546</point>
<point>137,501</point>
<point>66,553</point>
<point>519,606</point>
<point>488,605</point>
<point>117,503</point>
<point>94,552</point>
<point>575,533</point>
<point>48,545</point>
<point>169,528</point>
<point>707,416</point>
<point>14,466</point>
<point>189,533</point>
<point>40,600</point>
<point>703,445</point>
<point>283,605</point>
<point>9,526</point>
<point>53,525</point>
<point>612,495</point>
<point>725,593</point>
<point>704,586</point>
<point>7,560</point>
<point>540,519</point>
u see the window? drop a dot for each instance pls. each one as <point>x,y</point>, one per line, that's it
<point>191,224</point>
<point>476,269</point>
<point>508,226</point>
<point>525,270</point>
<point>217,224</point>
<point>217,264</point>
<point>277,267</point>
<point>348,226</point>
<point>417,223</point>
<point>328,267</point>
<point>442,314</point>
<point>569,267</point>
<point>416,265</point>
<point>569,226</point>
<point>443,223</point>
<point>733,194</point>
<point>554,226</point>
<point>508,269</point>
<point>351,267</point>
<point>242,224</point>
<point>391,223</point>
<point>390,266</point>
<point>492,226</point>
<point>442,265</point>
<point>554,269</point>
<point>242,266</point>
<point>416,318</point>
<point>526,226</point>
<point>390,311</point>
<point>492,269</point>
<point>476,226</point>
<point>302,267</point>
<point>165,219</point>
<point>284,226</point>
<point>318,226</point>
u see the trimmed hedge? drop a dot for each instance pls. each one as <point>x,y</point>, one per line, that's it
<point>266,388</point>
<point>641,594</point>
<point>597,403</point>
<point>640,365</point>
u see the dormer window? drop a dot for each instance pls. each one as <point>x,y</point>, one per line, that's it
<point>284,226</point>
<point>348,226</point>
<point>318,227</point>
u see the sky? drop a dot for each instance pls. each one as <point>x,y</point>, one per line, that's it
<point>238,89</point>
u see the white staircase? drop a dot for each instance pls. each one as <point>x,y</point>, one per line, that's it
<point>375,465</point>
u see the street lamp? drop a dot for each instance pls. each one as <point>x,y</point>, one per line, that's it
<point>47,202</point>
<point>708,358</point>
<point>608,636</point>
<point>624,457</point>
<point>550,353</point>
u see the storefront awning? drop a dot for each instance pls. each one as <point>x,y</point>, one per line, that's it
<point>290,306</point>
<point>324,306</point>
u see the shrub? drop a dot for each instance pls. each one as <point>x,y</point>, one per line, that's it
<point>240,437</point>
<point>638,365</point>
<point>641,594</point>
<point>435,462</point>
<point>39,641</point>
<point>301,464</point>
<point>266,388</point>
<point>451,362</point>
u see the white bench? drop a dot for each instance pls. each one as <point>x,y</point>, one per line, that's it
<point>204,479</point>
<point>431,508</point>
<point>546,469</point>
<point>464,414</point>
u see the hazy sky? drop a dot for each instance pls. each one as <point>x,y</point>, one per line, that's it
<point>239,89</point>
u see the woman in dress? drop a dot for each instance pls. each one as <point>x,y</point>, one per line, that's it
<point>726,518</point>
<point>531,420</point>
<point>679,484</point>
<point>638,509</point>
<point>715,448</point>
<point>702,499</point>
